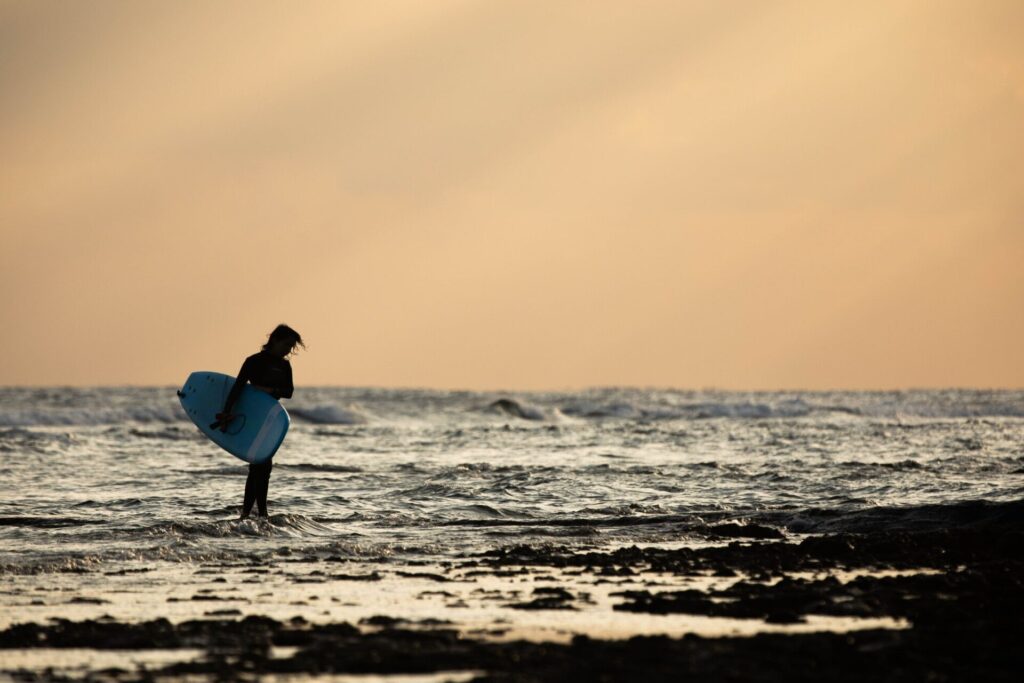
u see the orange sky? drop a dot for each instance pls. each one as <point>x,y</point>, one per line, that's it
<point>516,195</point>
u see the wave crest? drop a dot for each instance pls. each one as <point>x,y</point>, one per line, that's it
<point>293,525</point>
<point>522,410</point>
<point>331,414</point>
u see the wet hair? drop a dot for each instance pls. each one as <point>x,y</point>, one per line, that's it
<point>284,333</point>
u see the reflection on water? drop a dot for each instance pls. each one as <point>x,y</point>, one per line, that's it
<point>112,504</point>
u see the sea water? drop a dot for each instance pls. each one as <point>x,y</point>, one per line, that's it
<point>112,502</point>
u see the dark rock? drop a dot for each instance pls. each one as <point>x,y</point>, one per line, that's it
<point>733,530</point>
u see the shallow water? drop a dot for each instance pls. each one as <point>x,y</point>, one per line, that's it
<point>118,494</point>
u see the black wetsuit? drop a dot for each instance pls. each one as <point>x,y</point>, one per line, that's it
<point>262,369</point>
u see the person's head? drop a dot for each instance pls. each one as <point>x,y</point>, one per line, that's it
<point>282,341</point>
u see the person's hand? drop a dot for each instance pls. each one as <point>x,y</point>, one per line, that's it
<point>223,419</point>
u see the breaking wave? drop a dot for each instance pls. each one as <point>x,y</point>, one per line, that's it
<point>293,525</point>
<point>330,414</point>
<point>524,411</point>
<point>144,406</point>
<point>58,417</point>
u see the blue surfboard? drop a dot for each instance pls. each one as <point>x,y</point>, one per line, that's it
<point>257,431</point>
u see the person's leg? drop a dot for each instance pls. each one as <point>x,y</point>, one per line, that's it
<point>250,491</point>
<point>262,485</point>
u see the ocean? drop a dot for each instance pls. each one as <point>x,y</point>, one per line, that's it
<point>113,505</point>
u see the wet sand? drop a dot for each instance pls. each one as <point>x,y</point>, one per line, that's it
<point>744,602</point>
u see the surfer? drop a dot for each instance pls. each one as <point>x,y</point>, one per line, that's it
<point>269,371</point>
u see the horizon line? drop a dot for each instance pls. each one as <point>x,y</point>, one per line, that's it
<point>562,390</point>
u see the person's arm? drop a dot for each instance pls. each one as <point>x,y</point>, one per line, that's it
<point>236,390</point>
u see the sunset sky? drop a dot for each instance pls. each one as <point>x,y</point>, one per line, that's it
<point>515,195</point>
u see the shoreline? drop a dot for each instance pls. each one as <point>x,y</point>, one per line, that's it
<point>955,595</point>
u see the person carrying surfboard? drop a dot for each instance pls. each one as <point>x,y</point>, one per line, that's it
<point>269,371</point>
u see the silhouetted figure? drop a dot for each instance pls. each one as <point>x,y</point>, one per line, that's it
<point>269,371</point>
